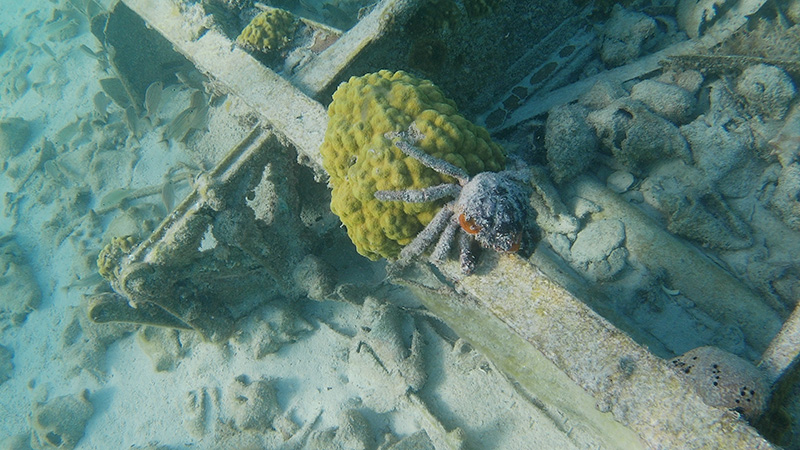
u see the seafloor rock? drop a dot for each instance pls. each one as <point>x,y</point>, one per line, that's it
<point>768,90</point>
<point>253,405</point>
<point>724,380</point>
<point>599,249</point>
<point>689,80</point>
<point>620,181</point>
<point>163,346</point>
<point>380,362</point>
<point>695,16</point>
<point>6,363</point>
<point>21,293</point>
<point>624,36</point>
<point>570,141</point>
<point>85,343</point>
<point>14,134</point>
<point>785,144</point>
<point>269,328</point>
<point>693,210</point>
<point>627,127</point>
<point>353,432</point>
<point>724,152</point>
<point>602,94</point>
<point>785,199</point>
<point>60,422</point>
<point>314,277</point>
<point>668,100</point>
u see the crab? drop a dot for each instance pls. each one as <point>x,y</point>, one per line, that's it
<point>490,208</point>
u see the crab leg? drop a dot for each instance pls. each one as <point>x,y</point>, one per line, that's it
<point>426,236</point>
<point>466,255</point>
<point>427,194</point>
<point>427,160</point>
<point>445,242</point>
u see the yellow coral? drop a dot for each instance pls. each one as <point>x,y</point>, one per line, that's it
<point>108,261</point>
<point>268,31</point>
<point>360,160</point>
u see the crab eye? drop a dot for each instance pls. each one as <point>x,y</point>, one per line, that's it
<point>468,225</point>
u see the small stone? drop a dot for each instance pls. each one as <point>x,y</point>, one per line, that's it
<point>768,90</point>
<point>624,36</point>
<point>724,380</point>
<point>253,405</point>
<point>61,422</point>
<point>353,431</point>
<point>627,128</point>
<point>599,251</point>
<point>785,199</point>
<point>21,293</point>
<point>667,100</point>
<point>570,141</point>
<point>620,181</point>
<point>163,346</point>
<point>724,153</point>
<point>315,278</point>
<point>690,80</point>
<point>582,207</point>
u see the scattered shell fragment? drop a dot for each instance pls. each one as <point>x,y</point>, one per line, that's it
<point>620,181</point>
<point>670,292</point>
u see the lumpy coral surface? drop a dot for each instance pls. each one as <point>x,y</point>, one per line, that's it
<point>268,31</point>
<point>361,160</point>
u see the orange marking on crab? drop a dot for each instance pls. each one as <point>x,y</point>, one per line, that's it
<point>468,224</point>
